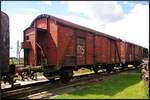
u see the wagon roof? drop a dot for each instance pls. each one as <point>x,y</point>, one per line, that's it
<point>134,44</point>
<point>73,25</point>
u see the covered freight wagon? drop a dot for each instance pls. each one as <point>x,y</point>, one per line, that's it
<point>61,46</point>
<point>4,43</point>
<point>131,53</point>
<point>7,71</point>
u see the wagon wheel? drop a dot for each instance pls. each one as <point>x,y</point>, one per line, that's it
<point>108,69</point>
<point>122,67</point>
<point>4,78</point>
<point>95,69</point>
<point>24,75</point>
<point>11,79</point>
<point>36,75</point>
<point>52,80</point>
<point>66,76</point>
<point>32,75</point>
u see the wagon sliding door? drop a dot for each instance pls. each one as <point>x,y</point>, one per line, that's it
<point>80,51</point>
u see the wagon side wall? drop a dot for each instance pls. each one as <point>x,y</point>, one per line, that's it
<point>101,50</point>
<point>66,46</point>
<point>75,47</point>
<point>50,40</point>
<point>89,49</point>
<point>30,54</point>
<point>123,52</point>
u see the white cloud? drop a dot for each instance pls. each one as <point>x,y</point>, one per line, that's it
<point>44,10</point>
<point>18,24</point>
<point>62,2</point>
<point>131,4</point>
<point>32,9</point>
<point>125,2</point>
<point>38,11</point>
<point>134,27</point>
<point>47,2</point>
<point>81,21</point>
<point>103,11</point>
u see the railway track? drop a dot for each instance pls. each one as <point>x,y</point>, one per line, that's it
<point>26,90</point>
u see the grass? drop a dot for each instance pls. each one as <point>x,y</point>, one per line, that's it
<point>15,61</point>
<point>128,86</point>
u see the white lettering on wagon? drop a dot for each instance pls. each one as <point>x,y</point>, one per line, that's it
<point>80,50</point>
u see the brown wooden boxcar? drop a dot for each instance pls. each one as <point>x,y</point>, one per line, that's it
<point>7,71</point>
<point>131,53</point>
<point>4,43</point>
<point>62,46</point>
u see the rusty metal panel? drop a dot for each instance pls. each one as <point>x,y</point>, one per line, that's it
<point>50,43</point>
<point>127,52</point>
<point>123,51</point>
<point>41,23</point>
<point>97,49</point>
<point>26,45</point>
<point>108,51</point>
<point>89,48</point>
<point>45,42</point>
<point>118,52</point>
<point>140,53</point>
<point>30,54</point>
<point>53,29</point>
<point>4,43</point>
<point>133,52</point>
<point>112,55</point>
<point>80,51</point>
<point>66,46</point>
<point>101,49</point>
<point>136,53</point>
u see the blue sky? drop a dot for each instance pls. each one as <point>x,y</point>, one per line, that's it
<point>56,7</point>
<point>123,19</point>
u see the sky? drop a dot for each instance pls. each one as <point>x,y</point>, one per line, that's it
<point>128,20</point>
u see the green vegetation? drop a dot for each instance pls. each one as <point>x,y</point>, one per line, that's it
<point>13,60</point>
<point>128,86</point>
